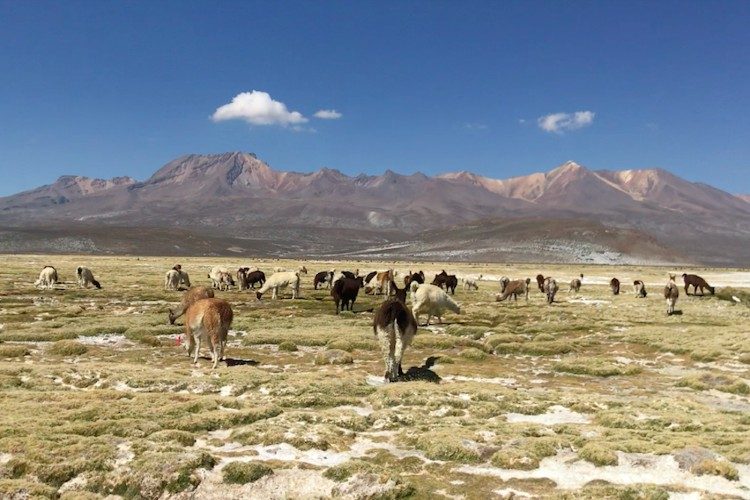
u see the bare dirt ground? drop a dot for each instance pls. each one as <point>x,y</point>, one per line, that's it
<point>595,396</point>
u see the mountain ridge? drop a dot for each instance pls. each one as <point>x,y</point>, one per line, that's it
<point>230,193</point>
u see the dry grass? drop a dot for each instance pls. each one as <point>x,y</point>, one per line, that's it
<point>98,399</point>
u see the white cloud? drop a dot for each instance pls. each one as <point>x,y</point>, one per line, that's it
<point>475,126</point>
<point>327,114</point>
<point>565,122</point>
<point>258,108</point>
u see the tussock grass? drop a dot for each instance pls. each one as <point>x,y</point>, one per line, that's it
<point>248,472</point>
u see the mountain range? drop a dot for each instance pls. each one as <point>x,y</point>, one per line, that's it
<point>234,203</point>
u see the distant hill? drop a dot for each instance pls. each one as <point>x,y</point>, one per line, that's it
<point>234,203</point>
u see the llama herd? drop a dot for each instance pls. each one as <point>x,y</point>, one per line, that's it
<point>208,318</point>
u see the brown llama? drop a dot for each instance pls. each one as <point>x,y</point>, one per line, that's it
<point>394,326</point>
<point>696,282</point>
<point>575,284</point>
<point>514,289</point>
<point>540,282</point>
<point>614,285</point>
<point>189,298</point>
<point>209,320</point>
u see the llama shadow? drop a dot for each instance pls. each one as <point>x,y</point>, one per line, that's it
<point>240,362</point>
<point>421,373</point>
<point>676,313</point>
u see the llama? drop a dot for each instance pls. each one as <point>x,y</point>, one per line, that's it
<point>431,300</point>
<point>190,297</point>
<point>671,293</point>
<point>279,281</point>
<point>300,270</point>
<point>697,282</point>
<point>470,283</point>
<point>416,277</point>
<point>209,320</point>
<point>85,278</point>
<point>337,275</point>
<point>614,285</point>
<point>575,284</point>
<point>514,289</point>
<point>550,289</point>
<point>254,277</point>
<point>394,326</point>
<point>323,278</point>
<point>47,278</point>
<point>345,291</point>
<point>176,278</point>
<point>504,284</point>
<point>220,277</point>
<point>380,283</point>
<point>540,282</point>
<point>639,288</point>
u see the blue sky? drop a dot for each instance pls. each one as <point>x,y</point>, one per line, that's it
<point>119,88</point>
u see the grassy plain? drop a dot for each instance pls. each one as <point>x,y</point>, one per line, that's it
<point>595,396</point>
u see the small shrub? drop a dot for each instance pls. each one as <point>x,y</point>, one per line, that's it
<point>717,468</point>
<point>288,346</point>
<point>597,454</point>
<point>13,351</point>
<point>473,353</point>
<point>67,348</point>
<point>245,472</point>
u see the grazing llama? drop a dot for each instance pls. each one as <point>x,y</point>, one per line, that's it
<point>189,298</point>
<point>614,285</point>
<point>696,282</point>
<point>575,284</point>
<point>85,278</point>
<point>550,289</point>
<point>514,289</point>
<point>47,278</point>
<point>639,288</point>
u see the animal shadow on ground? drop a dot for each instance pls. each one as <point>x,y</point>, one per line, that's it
<point>678,312</point>
<point>240,362</point>
<point>422,373</point>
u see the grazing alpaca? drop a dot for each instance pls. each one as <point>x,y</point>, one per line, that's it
<point>550,289</point>
<point>394,326</point>
<point>671,293</point>
<point>540,282</point>
<point>209,320</point>
<point>175,278</point>
<point>85,277</point>
<point>575,284</point>
<point>190,297</point>
<point>278,281</point>
<point>514,288</point>
<point>380,283</point>
<point>432,300</point>
<point>697,282</point>
<point>470,283</point>
<point>345,291</point>
<point>504,283</point>
<point>614,285</point>
<point>639,287</point>
<point>47,277</point>
<point>220,277</point>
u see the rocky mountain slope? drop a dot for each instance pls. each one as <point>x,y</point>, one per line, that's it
<point>649,215</point>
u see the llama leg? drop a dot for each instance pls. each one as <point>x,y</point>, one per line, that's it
<point>398,354</point>
<point>197,350</point>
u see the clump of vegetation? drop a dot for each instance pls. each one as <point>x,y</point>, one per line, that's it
<point>341,345</point>
<point>67,348</point>
<point>720,382</point>
<point>716,468</point>
<point>13,351</point>
<point>333,357</point>
<point>473,354</point>
<point>245,472</point>
<point>598,454</point>
<point>341,473</point>
<point>729,293</point>
<point>288,346</point>
<point>595,367</point>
